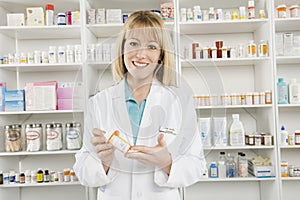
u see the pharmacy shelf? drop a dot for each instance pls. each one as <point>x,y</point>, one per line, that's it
<point>19,6</point>
<point>290,147</point>
<point>287,24</point>
<point>16,185</point>
<point>223,62</point>
<point>113,30</point>
<point>100,65</point>
<point>43,67</point>
<point>41,32</point>
<point>237,147</point>
<point>42,112</point>
<point>235,106</point>
<point>25,153</point>
<point>237,179</point>
<point>230,26</point>
<point>288,105</point>
<point>288,59</point>
<point>290,178</point>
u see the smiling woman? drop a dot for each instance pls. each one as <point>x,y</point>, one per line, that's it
<point>155,121</point>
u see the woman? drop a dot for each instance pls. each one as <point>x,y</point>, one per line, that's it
<point>156,118</point>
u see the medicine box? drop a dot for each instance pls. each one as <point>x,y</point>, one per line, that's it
<point>14,95</point>
<point>15,19</point>
<point>167,11</point>
<point>70,104</point>
<point>70,90</point>
<point>100,16</point>
<point>41,96</point>
<point>2,95</point>
<point>35,16</point>
<point>75,17</point>
<point>260,171</point>
<point>14,106</point>
<point>113,16</point>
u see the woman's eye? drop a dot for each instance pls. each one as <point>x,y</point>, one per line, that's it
<point>133,44</point>
<point>152,47</point>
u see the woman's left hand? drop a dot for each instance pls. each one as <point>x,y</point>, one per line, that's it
<point>158,155</point>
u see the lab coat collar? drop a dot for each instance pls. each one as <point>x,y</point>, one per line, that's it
<point>120,110</point>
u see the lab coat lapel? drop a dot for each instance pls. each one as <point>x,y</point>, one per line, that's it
<point>152,116</point>
<point>120,114</point>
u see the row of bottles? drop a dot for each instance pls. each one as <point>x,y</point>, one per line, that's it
<point>288,93</point>
<point>226,167</point>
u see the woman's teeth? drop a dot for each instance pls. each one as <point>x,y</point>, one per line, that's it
<point>138,64</point>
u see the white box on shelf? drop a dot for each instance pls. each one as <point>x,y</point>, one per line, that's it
<point>15,19</point>
<point>113,16</point>
<point>41,96</point>
<point>35,16</point>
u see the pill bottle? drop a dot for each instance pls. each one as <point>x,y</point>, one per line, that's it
<point>284,169</point>
<point>294,11</point>
<point>251,49</point>
<point>120,143</point>
<point>263,48</point>
<point>297,137</point>
<point>281,11</point>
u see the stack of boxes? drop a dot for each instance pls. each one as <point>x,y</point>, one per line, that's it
<point>42,96</point>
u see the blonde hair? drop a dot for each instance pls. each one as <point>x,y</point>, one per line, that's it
<point>165,73</point>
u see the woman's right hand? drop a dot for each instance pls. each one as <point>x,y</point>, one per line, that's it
<point>104,150</point>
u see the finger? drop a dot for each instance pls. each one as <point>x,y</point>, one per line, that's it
<point>98,132</point>
<point>98,140</point>
<point>137,155</point>
<point>161,141</point>
<point>104,154</point>
<point>103,147</point>
<point>141,148</point>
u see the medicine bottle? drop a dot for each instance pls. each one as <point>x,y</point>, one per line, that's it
<point>263,48</point>
<point>294,11</point>
<point>61,54</point>
<point>52,54</point>
<point>61,19</point>
<point>46,176</point>
<point>40,176</point>
<point>230,166</point>
<point>197,14</point>
<point>242,11</point>
<point>120,143</point>
<point>251,49</point>
<point>70,54</point>
<point>211,14</point>
<point>281,11</point>
<point>251,9</point>
<point>213,170</point>
<point>183,14</point>
<point>284,169</point>
<point>49,14</point>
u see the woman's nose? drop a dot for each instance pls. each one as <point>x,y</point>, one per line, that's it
<point>141,52</point>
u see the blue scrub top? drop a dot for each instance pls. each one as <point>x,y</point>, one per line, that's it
<point>135,112</point>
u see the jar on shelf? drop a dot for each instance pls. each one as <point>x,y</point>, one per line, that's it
<point>54,136</point>
<point>73,136</point>
<point>33,136</point>
<point>13,141</point>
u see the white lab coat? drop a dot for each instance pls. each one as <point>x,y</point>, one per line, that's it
<point>166,107</point>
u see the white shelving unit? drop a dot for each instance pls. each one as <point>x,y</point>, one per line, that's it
<point>27,39</point>
<point>287,67</point>
<point>231,75</point>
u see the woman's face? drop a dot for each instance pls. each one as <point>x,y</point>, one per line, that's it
<point>141,54</point>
